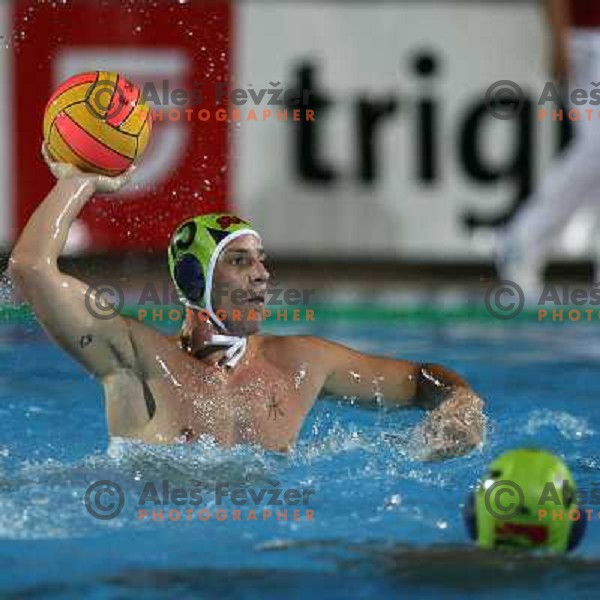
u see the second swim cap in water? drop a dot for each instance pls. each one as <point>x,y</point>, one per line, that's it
<point>524,501</point>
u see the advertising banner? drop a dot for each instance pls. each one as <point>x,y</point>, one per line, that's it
<point>402,160</point>
<point>169,44</point>
<point>388,152</point>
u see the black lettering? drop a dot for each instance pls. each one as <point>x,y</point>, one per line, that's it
<point>517,166</point>
<point>425,66</point>
<point>307,145</point>
<point>370,114</point>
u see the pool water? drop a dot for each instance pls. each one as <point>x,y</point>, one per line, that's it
<point>377,509</point>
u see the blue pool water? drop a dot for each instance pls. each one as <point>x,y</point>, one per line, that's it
<point>376,508</point>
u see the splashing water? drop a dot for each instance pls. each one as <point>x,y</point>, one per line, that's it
<point>368,484</point>
<point>300,376</point>
<point>568,426</point>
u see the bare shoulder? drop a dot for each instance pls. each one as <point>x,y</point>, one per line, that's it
<point>290,343</point>
<point>145,339</point>
<point>306,348</point>
<point>140,331</point>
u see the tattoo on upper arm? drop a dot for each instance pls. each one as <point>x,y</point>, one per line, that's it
<point>85,340</point>
<point>149,399</point>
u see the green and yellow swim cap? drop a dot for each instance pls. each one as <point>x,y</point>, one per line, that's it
<point>527,499</point>
<point>193,252</point>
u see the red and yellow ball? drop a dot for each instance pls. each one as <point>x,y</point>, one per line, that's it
<point>97,121</point>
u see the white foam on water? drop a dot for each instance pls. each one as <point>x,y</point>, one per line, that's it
<point>569,426</point>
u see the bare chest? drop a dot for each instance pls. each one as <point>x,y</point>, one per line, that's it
<point>257,402</point>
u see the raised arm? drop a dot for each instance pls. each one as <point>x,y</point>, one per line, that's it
<point>58,300</point>
<point>455,424</point>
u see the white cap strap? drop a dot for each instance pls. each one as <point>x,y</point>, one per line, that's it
<point>235,351</point>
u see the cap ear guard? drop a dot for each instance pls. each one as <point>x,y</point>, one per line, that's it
<point>189,277</point>
<point>469,517</point>
<point>184,237</point>
<point>577,527</point>
<point>577,531</point>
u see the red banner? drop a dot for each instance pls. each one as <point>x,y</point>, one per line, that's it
<point>169,44</point>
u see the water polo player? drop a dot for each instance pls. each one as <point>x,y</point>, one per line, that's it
<point>217,377</point>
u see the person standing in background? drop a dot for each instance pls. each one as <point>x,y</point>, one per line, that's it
<point>573,180</point>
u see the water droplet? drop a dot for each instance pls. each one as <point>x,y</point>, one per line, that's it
<point>394,500</point>
<point>354,376</point>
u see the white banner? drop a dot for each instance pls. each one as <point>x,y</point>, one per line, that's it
<point>402,154</point>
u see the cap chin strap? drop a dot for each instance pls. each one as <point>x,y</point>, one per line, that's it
<point>236,344</point>
<point>236,347</point>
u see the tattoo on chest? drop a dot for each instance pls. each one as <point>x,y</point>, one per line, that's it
<point>274,410</point>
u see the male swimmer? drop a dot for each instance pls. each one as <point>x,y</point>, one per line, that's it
<point>218,377</point>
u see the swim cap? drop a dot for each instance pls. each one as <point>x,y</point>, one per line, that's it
<point>527,500</point>
<point>193,252</point>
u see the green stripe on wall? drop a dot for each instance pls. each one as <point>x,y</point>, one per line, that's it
<point>336,312</point>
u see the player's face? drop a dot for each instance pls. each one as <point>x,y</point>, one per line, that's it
<point>240,284</point>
